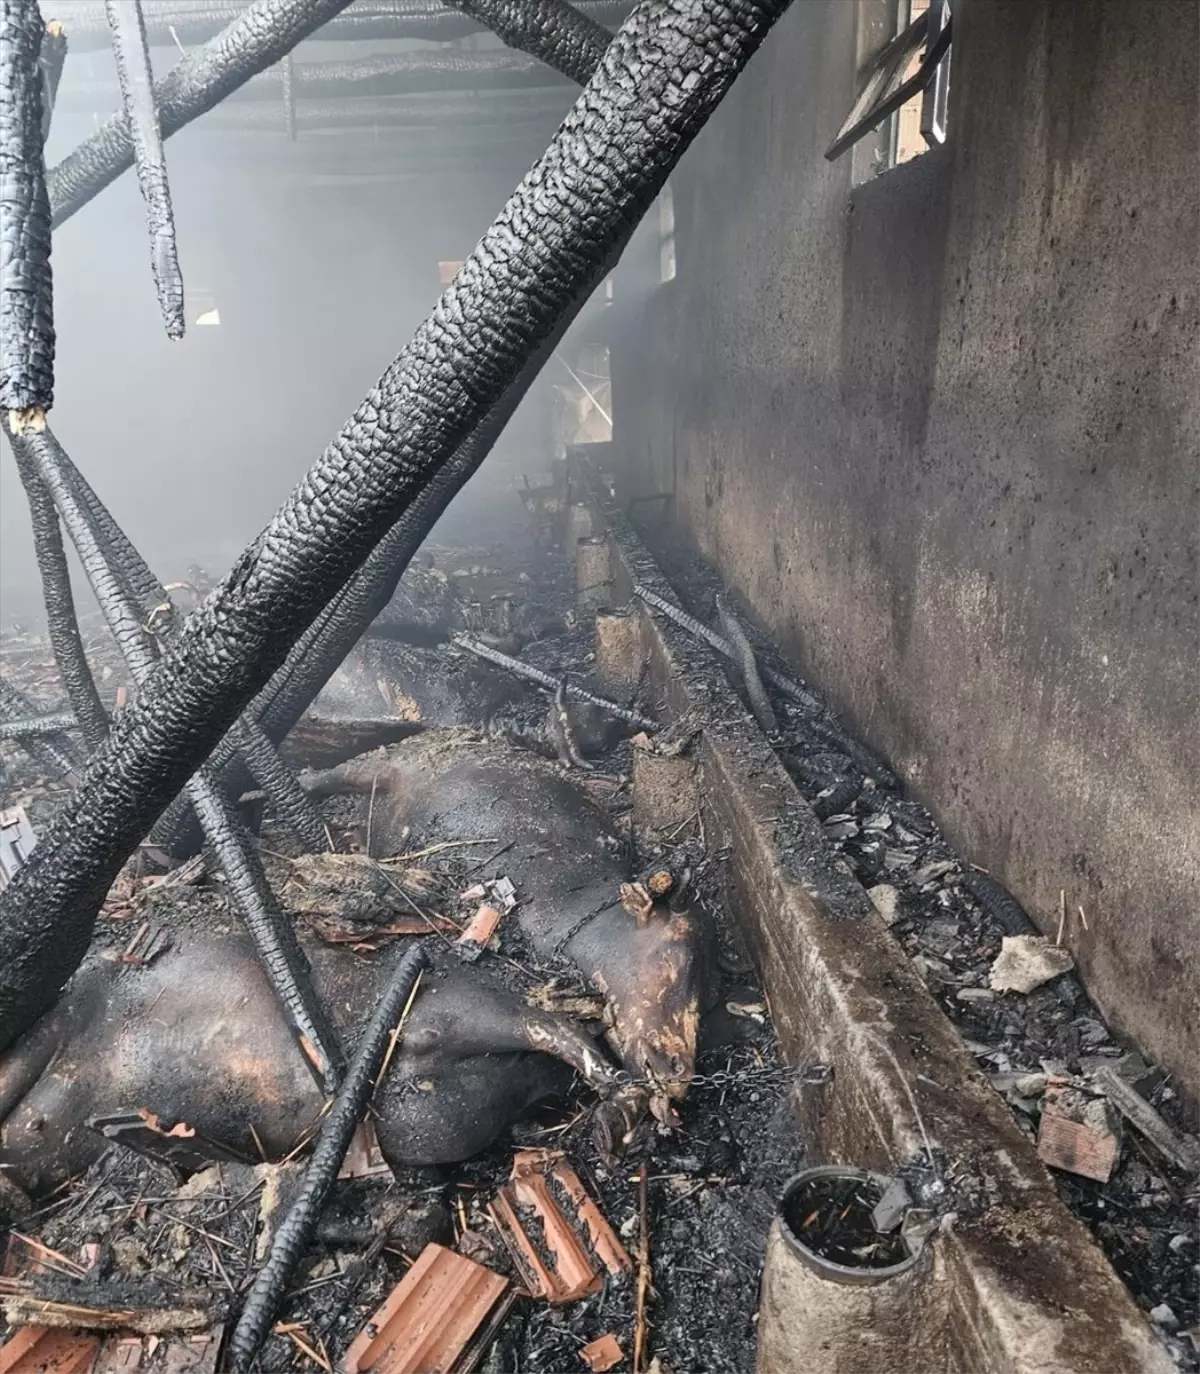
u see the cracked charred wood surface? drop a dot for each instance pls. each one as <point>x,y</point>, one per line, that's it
<point>257,38</point>
<point>51,60</point>
<point>553,31</point>
<point>54,753</point>
<point>30,727</point>
<point>27,298</point>
<point>196,21</point>
<point>297,1229</point>
<point>271,930</point>
<point>660,79</point>
<point>132,53</point>
<point>62,623</point>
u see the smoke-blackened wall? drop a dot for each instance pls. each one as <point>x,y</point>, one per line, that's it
<point>942,432</point>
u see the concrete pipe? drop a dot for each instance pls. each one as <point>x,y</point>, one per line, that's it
<point>840,1297</point>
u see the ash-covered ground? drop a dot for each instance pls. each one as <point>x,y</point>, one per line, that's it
<point>711,1185</point>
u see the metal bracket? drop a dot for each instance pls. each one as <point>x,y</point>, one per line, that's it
<point>886,90</point>
<point>935,99</point>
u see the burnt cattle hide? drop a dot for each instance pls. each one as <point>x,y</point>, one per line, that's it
<point>196,1035</point>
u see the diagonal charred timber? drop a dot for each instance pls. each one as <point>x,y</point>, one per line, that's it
<point>283,960</point>
<point>296,1232</point>
<point>132,53</point>
<point>551,30</point>
<point>27,295</point>
<point>53,753</point>
<point>32,727</point>
<point>258,37</point>
<point>285,796</point>
<point>51,60</point>
<point>62,624</point>
<point>316,655</point>
<point>660,79</point>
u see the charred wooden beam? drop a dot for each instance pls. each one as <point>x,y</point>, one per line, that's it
<point>285,796</point>
<point>35,727</point>
<point>553,31</point>
<point>659,81</point>
<point>263,33</point>
<point>53,753</point>
<point>27,299</point>
<point>296,1231</point>
<point>51,60</point>
<point>136,77</point>
<point>62,623</point>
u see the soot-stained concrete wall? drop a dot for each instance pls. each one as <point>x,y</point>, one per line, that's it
<point>941,432</point>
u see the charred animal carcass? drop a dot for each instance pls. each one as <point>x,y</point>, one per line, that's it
<point>195,1036</point>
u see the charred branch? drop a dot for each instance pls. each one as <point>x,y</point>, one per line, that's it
<point>660,79</point>
<point>54,752</point>
<point>760,703</point>
<point>269,927</point>
<point>62,624</point>
<point>258,37</point>
<point>51,60</point>
<point>34,727</point>
<point>137,98</point>
<point>550,682</point>
<point>297,1229</point>
<point>553,31</point>
<point>27,299</point>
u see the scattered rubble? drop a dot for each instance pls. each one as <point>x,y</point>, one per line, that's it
<point>1026,962</point>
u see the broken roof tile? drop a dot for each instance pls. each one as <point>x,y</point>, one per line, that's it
<point>49,1350</point>
<point>563,1269</point>
<point>602,1354</point>
<point>426,1322</point>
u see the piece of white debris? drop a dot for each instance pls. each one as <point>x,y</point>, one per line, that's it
<point>1026,962</point>
<point>1164,1317</point>
<point>886,900</point>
